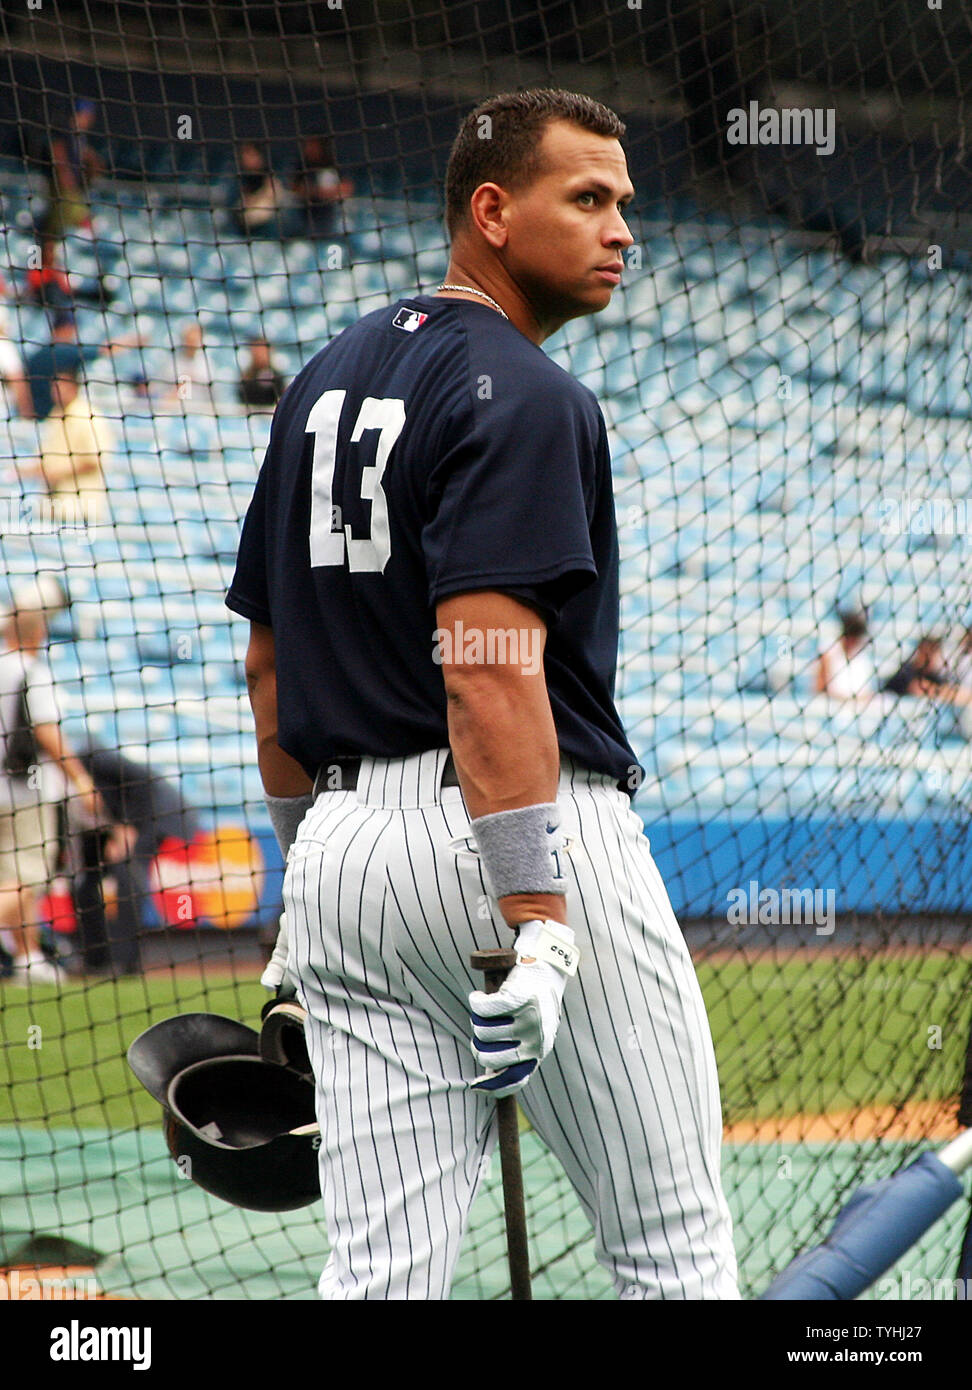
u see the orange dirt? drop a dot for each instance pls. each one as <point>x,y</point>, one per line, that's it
<point>921,1119</point>
<point>50,1283</point>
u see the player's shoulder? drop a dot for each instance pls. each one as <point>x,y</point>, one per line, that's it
<point>461,352</point>
<point>501,364</point>
<point>356,345</point>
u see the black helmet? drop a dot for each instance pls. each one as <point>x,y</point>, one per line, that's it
<point>238,1124</point>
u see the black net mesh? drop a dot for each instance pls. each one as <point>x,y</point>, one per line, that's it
<point>195,199</point>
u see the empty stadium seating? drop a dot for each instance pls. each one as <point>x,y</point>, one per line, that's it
<point>765,405</point>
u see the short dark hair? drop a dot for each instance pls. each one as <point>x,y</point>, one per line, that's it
<point>499,141</point>
<point>853,624</point>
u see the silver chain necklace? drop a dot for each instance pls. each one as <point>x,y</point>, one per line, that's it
<point>468,289</point>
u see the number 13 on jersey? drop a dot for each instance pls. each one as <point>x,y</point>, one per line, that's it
<point>327,540</point>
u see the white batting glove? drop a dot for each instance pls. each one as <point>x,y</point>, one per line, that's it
<point>276,967</point>
<point>515,1028</point>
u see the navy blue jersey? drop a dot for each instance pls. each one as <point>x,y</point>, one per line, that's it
<point>430,449</point>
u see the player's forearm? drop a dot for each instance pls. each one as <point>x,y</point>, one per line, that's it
<point>49,738</point>
<point>282,775</point>
<point>505,749</point>
<point>63,173</point>
<point>60,468</point>
<point>503,739</point>
<point>22,397</point>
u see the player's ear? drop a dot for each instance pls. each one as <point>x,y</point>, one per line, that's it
<point>488,213</point>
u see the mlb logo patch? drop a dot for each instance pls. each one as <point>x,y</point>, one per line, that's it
<point>408,320</point>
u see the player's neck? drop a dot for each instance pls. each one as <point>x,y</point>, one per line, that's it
<point>509,298</point>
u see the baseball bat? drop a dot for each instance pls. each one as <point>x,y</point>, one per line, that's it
<point>876,1227</point>
<point>497,965</point>
<point>883,1220</point>
<point>964,1271</point>
<point>965,1095</point>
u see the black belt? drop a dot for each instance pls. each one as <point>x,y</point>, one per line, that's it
<point>341,775</point>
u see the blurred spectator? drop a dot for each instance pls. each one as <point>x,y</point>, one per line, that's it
<point>50,286</point>
<point>261,384</point>
<point>44,593</point>
<point>30,786</point>
<point>14,387</point>
<point>63,354</point>
<point>71,166</point>
<point>963,661</point>
<point>143,395</point>
<point>318,188</point>
<point>73,442</point>
<point>259,196</point>
<point>194,378</point>
<point>144,810</point>
<point>925,673</point>
<point>845,671</point>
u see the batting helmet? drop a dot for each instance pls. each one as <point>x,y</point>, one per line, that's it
<point>282,1037</point>
<point>240,1126</point>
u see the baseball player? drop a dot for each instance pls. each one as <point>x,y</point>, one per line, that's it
<point>430,568</point>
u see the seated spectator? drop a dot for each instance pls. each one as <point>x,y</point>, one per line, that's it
<point>73,442</point>
<point>260,196</point>
<point>194,379</point>
<point>963,661</point>
<point>142,401</point>
<point>845,671</point>
<point>261,385</point>
<point>318,188</point>
<point>63,354</point>
<point>14,388</point>
<point>43,593</point>
<point>925,673</point>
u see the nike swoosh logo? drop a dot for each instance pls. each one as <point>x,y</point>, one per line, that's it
<point>551,830</point>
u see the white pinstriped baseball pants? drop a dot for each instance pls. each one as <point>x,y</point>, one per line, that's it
<point>385,902</point>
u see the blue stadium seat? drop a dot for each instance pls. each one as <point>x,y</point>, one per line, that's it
<point>737,525</point>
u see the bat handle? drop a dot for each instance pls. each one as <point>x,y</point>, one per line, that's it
<point>958,1154</point>
<point>496,965</point>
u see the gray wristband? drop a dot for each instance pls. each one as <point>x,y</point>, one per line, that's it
<point>286,814</point>
<point>522,851</point>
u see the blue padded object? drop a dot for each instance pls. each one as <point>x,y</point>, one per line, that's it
<point>965,1265</point>
<point>875,1228</point>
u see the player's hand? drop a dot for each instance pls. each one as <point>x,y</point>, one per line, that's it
<point>275,974</point>
<point>515,1028</point>
<point>120,843</point>
<point>93,807</point>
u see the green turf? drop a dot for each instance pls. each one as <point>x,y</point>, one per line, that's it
<point>155,1235</point>
<point>791,1035</point>
<point>84,1155</point>
<point>73,1070</point>
<point>836,1033</point>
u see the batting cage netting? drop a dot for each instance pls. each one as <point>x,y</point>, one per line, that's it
<point>195,199</point>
